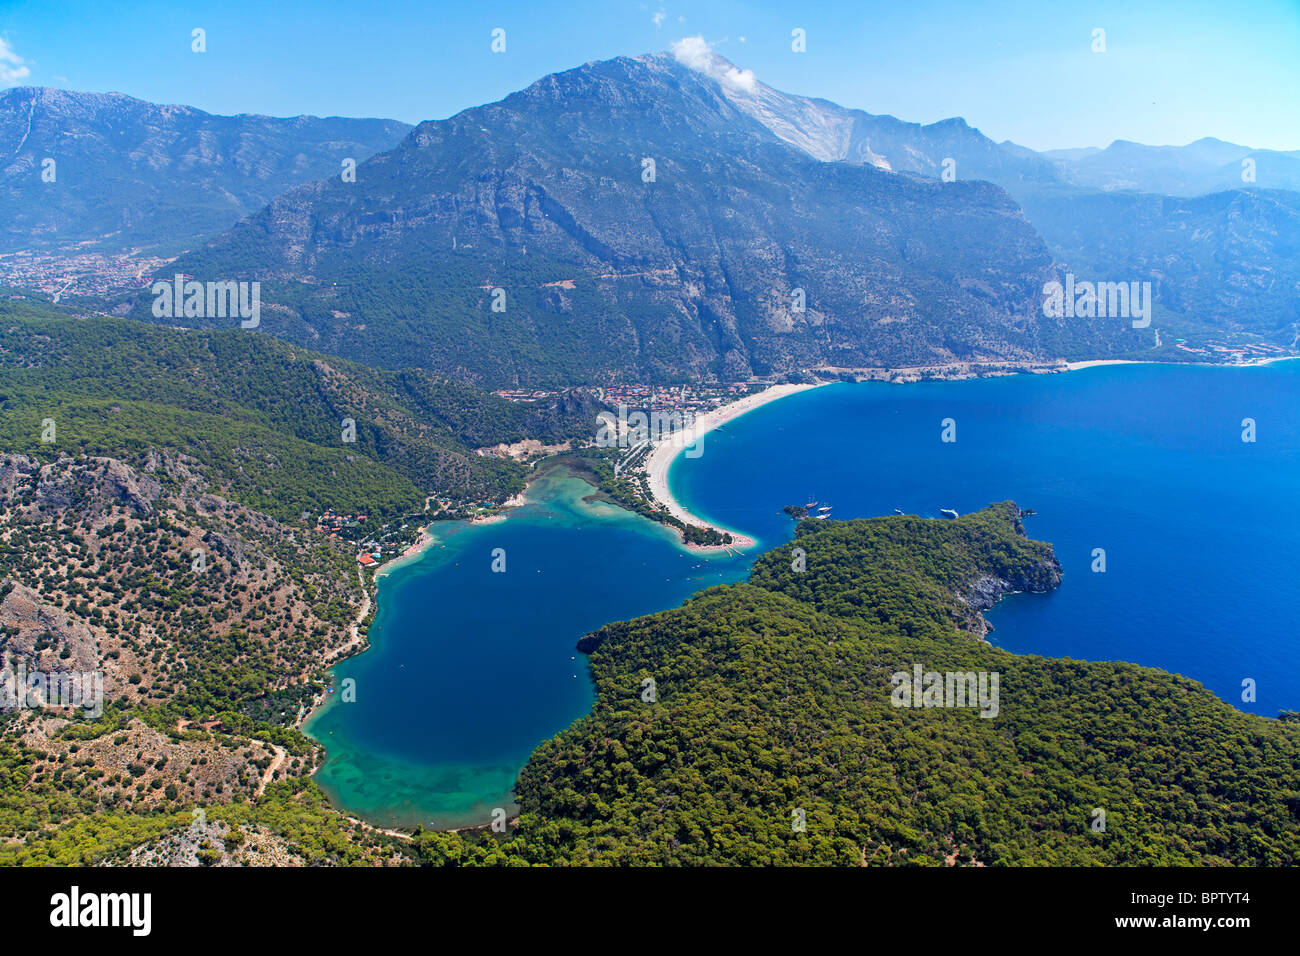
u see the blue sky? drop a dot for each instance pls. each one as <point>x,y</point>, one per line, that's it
<point>1171,73</point>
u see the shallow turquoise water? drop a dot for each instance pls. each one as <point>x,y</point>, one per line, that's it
<point>469,670</point>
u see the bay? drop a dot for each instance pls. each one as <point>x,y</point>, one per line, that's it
<point>470,669</point>
<point>1200,529</point>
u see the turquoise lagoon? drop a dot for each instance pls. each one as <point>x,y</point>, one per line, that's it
<point>469,669</point>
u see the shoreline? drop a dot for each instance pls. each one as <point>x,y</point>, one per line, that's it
<point>965,371</point>
<point>665,453</point>
<point>657,466</point>
<point>359,643</point>
<point>660,460</point>
<point>428,538</point>
<point>1252,363</point>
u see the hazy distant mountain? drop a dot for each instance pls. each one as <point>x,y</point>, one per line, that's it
<point>1070,154</point>
<point>829,131</point>
<point>129,173</point>
<point>1227,262</point>
<point>1205,166</point>
<point>1219,263</point>
<point>606,271</point>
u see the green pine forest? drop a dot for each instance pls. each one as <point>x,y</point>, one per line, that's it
<point>264,418</point>
<point>772,697</point>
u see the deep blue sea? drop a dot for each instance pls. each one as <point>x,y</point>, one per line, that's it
<point>470,669</point>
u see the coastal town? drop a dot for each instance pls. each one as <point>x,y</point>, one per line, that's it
<point>1231,353</point>
<point>696,398</point>
<point>633,470</point>
<point>634,478</point>
<point>374,541</point>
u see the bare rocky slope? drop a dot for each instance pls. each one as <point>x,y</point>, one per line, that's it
<point>128,173</point>
<point>627,220</point>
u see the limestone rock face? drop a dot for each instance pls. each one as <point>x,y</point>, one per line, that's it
<point>224,166</point>
<point>645,221</point>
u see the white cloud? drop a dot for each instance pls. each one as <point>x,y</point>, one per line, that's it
<point>696,53</point>
<point>658,18</point>
<point>693,52</point>
<point>12,68</point>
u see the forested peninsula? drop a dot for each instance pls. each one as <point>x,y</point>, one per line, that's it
<point>161,501</point>
<point>773,707</point>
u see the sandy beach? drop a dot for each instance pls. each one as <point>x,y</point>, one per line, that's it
<point>662,457</point>
<point>428,538</point>
<point>1249,363</point>
<point>1094,363</point>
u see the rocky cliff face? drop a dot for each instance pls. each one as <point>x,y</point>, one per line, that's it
<point>628,220</point>
<point>42,636</point>
<point>106,481</point>
<point>1222,263</point>
<point>988,590</point>
<point>127,173</point>
<point>1039,576</point>
<point>831,132</point>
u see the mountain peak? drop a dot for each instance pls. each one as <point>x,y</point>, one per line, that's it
<point>81,103</point>
<point>952,122</point>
